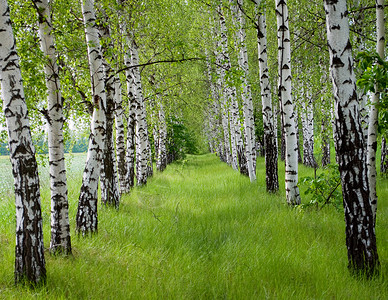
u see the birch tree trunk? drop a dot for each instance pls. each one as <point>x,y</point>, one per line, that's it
<point>86,218</point>
<point>249,126</point>
<point>141,132</point>
<point>308,132</point>
<point>109,182</point>
<point>162,152</point>
<point>231,157</point>
<point>29,250</point>
<point>120,137</point>
<point>60,228</point>
<point>130,81</point>
<point>271,156</point>
<point>360,231</point>
<point>288,111</point>
<point>373,113</point>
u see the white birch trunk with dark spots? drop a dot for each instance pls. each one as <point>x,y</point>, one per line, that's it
<point>60,228</point>
<point>235,130</point>
<point>161,163</point>
<point>224,63</point>
<point>229,96</point>
<point>288,110</point>
<point>271,155</point>
<point>86,218</point>
<point>130,154</point>
<point>374,112</point>
<point>349,142</point>
<point>120,137</point>
<point>359,41</point>
<point>249,126</point>
<point>237,126</point>
<point>109,179</point>
<point>141,131</point>
<point>29,250</point>
<point>308,132</point>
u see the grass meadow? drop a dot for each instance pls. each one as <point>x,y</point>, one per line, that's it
<point>199,230</point>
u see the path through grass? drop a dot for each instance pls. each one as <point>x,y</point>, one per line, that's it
<point>201,231</point>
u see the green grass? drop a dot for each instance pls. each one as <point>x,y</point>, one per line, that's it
<point>201,231</point>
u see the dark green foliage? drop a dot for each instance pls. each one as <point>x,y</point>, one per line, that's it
<point>180,140</point>
<point>324,188</point>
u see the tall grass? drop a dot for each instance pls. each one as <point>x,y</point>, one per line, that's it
<point>199,230</point>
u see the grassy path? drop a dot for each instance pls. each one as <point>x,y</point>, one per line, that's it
<point>202,231</point>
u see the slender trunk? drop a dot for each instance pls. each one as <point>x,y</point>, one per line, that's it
<point>60,228</point>
<point>141,132</point>
<point>120,138</point>
<point>308,133</point>
<point>291,157</point>
<point>162,153</point>
<point>373,113</point>
<point>130,157</point>
<point>230,98</point>
<point>29,250</point>
<point>249,126</point>
<point>350,147</point>
<point>271,156</point>
<point>229,137</point>
<point>86,218</point>
<point>109,183</point>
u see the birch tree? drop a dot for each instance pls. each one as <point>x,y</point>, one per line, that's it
<point>373,113</point>
<point>141,132</point>
<point>288,111</point>
<point>29,250</point>
<point>109,182</point>
<point>271,156</point>
<point>86,218</point>
<point>249,130</point>
<point>308,132</point>
<point>60,228</point>
<point>349,142</point>
<point>120,136</point>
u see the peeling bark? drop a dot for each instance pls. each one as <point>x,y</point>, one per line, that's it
<point>350,147</point>
<point>29,250</point>
<point>86,218</point>
<point>60,228</point>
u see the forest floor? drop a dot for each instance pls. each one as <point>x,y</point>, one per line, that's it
<point>199,230</point>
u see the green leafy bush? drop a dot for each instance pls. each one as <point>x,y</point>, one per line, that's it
<point>324,188</point>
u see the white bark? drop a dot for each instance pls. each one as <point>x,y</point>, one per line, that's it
<point>109,180</point>
<point>162,152</point>
<point>60,228</point>
<point>350,147</point>
<point>29,249</point>
<point>288,110</point>
<point>120,137</point>
<point>249,126</point>
<point>308,131</point>
<point>373,113</point>
<point>141,132</point>
<point>87,205</point>
<point>229,97</point>
<point>271,157</point>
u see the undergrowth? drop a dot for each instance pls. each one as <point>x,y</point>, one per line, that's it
<point>199,230</point>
